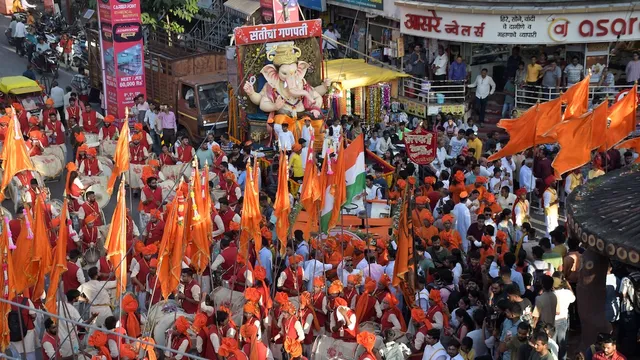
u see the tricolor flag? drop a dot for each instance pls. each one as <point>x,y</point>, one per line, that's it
<point>335,189</point>
<point>356,174</point>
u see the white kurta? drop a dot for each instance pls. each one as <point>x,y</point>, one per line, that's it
<point>99,298</point>
<point>66,331</point>
<point>463,221</point>
<point>550,211</point>
<point>30,341</point>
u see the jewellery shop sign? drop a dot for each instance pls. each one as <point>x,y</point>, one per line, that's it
<point>519,29</point>
<point>421,146</point>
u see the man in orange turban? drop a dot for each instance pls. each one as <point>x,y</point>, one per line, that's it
<point>489,201</point>
<point>140,269</point>
<point>450,237</point>
<point>343,322</point>
<point>367,306</point>
<point>291,279</point>
<point>249,334</point>
<point>99,341</point>
<point>288,324</point>
<point>138,153</point>
<point>367,340</point>
<point>108,132</point>
<point>320,302</point>
<point>478,184</point>
<point>427,230</point>
<point>391,316</point>
<point>251,315</point>
<point>457,186</point>
<point>350,291</point>
<point>130,320</point>
<point>435,314</point>
<point>179,339</point>
<point>419,318</point>
<point>383,287</point>
<point>229,350</point>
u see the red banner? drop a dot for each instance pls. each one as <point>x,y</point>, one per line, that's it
<point>122,53</point>
<point>267,33</point>
<point>421,146</point>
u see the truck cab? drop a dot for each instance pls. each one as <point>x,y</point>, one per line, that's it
<point>201,105</point>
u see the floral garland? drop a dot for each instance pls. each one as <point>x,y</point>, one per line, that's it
<point>343,103</point>
<point>386,95</point>
<point>359,95</point>
<point>348,107</point>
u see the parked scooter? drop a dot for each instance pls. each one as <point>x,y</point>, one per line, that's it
<point>46,63</point>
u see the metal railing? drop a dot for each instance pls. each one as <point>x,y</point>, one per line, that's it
<point>433,91</point>
<point>527,96</point>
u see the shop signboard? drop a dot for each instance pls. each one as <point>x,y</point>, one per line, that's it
<point>519,28</point>
<point>268,33</point>
<point>414,108</point>
<point>365,4</point>
<point>421,146</point>
<point>318,5</point>
<point>122,53</point>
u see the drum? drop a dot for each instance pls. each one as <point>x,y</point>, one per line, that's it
<point>4,212</point>
<point>326,347</point>
<point>108,148</point>
<point>173,172</point>
<point>168,190</point>
<point>102,197</point>
<point>218,194</point>
<point>105,162</point>
<point>49,166</point>
<point>134,176</point>
<point>60,151</point>
<point>91,139</point>
<point>56,207</point>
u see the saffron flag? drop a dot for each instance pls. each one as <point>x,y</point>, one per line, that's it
<point>311,194</point>
<point>633,144</point>
<point>25,271</point>
<point>356,174</point>
<point>282,205</point>
<point>14,152</point>
<point>59,262</point>
<point>197,228</point>
<point>6,282</point>
<point>171,250</point>
<point>41,259</point>
<point>404,256</point>
<point>251,215</point>
<point>116,242</point>
<point>121,156</point>
<point>599,125</point>
<point>622,116</point>
<point>577,99</point>
<point>549,115</point>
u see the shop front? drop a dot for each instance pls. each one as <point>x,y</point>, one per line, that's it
<point>485,37</point>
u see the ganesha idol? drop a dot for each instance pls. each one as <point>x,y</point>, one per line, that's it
<point>287,96</point>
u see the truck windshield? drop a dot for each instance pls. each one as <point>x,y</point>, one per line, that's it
<point>31,101</point>
<point>213,97</point>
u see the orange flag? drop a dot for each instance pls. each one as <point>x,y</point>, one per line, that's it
<point>631,144</point>
<point>14,153</point>
<point>574,138</point>
<point>116,242</point>
<point>404,256</point>
<point>577,99</point>
<point>522,133</point>
<point>599,125</point>
<point>121,156</point>
<point>549,115</point>
<point>171,251</point>
<point>25,270</point>
<point>59,260</point>
<point>6,282</point>
<point>311,194</point>
<point>282,205</point>
<point>339,187</point>
<point>251,215</point>
<point>197,228</point>
<point>41,248</point>
<point>622,116</point>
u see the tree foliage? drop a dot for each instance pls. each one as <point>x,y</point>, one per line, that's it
<point>169,14</point>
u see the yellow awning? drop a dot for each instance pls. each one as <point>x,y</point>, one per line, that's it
<point>353,73</point>
<point>18,85</point>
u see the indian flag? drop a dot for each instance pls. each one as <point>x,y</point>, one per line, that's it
<point>356,171</point>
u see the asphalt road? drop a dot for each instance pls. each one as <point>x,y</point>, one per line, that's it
<point>13,65</point>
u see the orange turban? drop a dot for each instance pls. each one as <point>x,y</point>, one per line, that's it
<point>127,351</point>
<point>49,101</point>
<point>182,325</point>
<point>55,222</point>
<point>447,218</point>
<point>422,200</point>
<point>434,295</point>
<point>289,308</point>
<point>331,243</point>
<point>390,299</point>
<point>153,263</point>
<point>295,259</point>
<point>228,347</point>
<point>305,299</point>
<point>425,215</point>
<point>252,294</point>
<point>33,120</point>
<point>260,273</point>
<point>385,280</point>
<point>216,149</point>
<point>90,218</point>
<point>367,340</point>
<point>359,244</point>
<point>136,137</point>
<point>266,233</point>
<point>501,236</point>
<point>228,311</point>
<point>341,302</point>
<point>99,340</point>
<point>335,287</point>
<point>240,259</point>
<point>319,281</point>
<point>420,317</point>
<point>35,134</point>
<point>234,226</point>
<point>17,106</point>
<point>109,119</point>
<point>92,152</point>
<point>83,148</point>
<point>154,163</point>
<point>156,213</point>
<point>229,176</point>
<point>459,176</point>
<point>149,249</point>
<point>5,120</point>
<point>130,305</point>
<point>369,285</point>
<point>481,179</point>
<point>430,180</point>
<point>137,126</point>
<point>71,166</point>
<point>464,195</point>
<point>293,347</point>
<point>248,331</point>
<point>199,321</point>
<point>281,298</point>
<point>354,279</point>
<point>401,184</point>
<point>252,309</point>
<point>489,197</point>
<point>486,240</point>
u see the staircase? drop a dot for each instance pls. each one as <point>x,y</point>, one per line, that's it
<point>214,32</point>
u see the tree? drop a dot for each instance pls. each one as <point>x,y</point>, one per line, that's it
<point>169,14</point>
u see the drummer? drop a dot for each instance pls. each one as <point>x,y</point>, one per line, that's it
<point>48,109</point>
<point>167,157</point>
<point>74,109</point>
<point>91,166</point>
<point>150,199</point>
<point>91,207</point>
<point>34,145</point>
<point>33,125</point>
<point>138,152</point>
<point>185,152</point>
<point>89,232</point>
<point>108,131</point>
<point>32,193</point>
<point>54,130</point>
<point>81,156</point>
<point>146,140</point>
<point>89,119</point>
<point>154,166</point>
<point>155,227</point>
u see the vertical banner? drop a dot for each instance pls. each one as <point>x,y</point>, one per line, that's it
<point>273,11</point>
<point>122,53</point>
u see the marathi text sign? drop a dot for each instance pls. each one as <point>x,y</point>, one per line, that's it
<point>519,28</point>
<point>122,52</point>
<point>421,146</point>
<point>277,32</point>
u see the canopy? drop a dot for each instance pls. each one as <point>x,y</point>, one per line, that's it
<point>353,73</point>
<point>243,8</point>
<point>18,85</point>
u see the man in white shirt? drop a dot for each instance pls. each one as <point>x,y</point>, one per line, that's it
<point>457,144</point>
<point>384,144</point>
<point>57,95</point>
<point>19,33</point>
<point>506,199</point>
<point>434,350</point>
<point>96,293</point>
<point>484,87</point>
<point>285,138</point>
<point>314,268</point>
<point>67,332</point>
<point>331,45</point>
<point>440,63</point>
<point>527,180</point>
<point>573,73</point>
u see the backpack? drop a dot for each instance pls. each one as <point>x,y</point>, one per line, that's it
<point>17,326</point>
<point>538,274</point>
<point>454,297</point>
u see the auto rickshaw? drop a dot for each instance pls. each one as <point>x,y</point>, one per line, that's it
<point>22,90</point>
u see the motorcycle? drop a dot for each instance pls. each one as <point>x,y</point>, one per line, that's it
<point>47,62</point>
<point>80,54</point>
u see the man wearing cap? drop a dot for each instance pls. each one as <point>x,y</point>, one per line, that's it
<point>48,109</point>
<point>295,163</point>
<point>479,184</point>
<point>89,119</point>
<point>462,217</point>
<point>89,232</point>
<point>343,322</point>
<point>290,280</point>
<point>91,207</point>
<point>96,293</point>
<point>108,131</point>
<point>179,339</point>
<point>450,237</point>
<point>550,204</point>
<point>285,138</point>
<point>137,151</point>
<point>91,166</point>
<point>190,294</point>
<point>146,141</point>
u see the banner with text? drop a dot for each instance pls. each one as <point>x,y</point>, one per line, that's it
<point>519,28</point>
<point>268,33</point>
<point>421,146</point>
<point>122,53</point>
